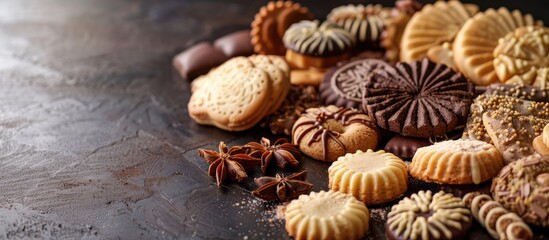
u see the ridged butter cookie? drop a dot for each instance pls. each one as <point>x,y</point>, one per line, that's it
<point>541,142</point>
<point>456,162</point>
<point>327,215</point>
<point>433,26</point>
<point>522,56</point>
<point>372,177</point>
<point>475,43</point>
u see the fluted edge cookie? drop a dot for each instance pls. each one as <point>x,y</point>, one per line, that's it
<point>327,215</point>
<point>456,162</point>
<point>372,177</point>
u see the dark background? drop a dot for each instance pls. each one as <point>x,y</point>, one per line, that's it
<point>95,140</point>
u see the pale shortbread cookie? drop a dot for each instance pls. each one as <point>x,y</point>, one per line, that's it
<point>512,133</point>
<point>279,73</point>
<point>541,142</point>
<point>456,162</point>
<point>433,26</point>
<point>231,97</point>
<point>372,177</point>
<point>327,215</point>
<point>474,45</point>
<point>522,56</point>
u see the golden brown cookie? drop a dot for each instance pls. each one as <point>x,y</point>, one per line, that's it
<point>522,56</point>
<point>372,177</point>
<point>327,133</point>
<point>456,162</point>
<point>475,43</point>
<point>271,22</point>
<point>278,71</point>
<point>433,26</point>
<point>310,76</point>
<point>327,215</point>
<point>512,133</point>
<point>395,25</point>
<point>541,142</point>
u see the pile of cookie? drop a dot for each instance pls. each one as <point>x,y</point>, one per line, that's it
<point>443,93</point>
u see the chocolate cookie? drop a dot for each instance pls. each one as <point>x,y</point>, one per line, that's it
<point>417,99</point>
<point>429,216</point>
<point>405,147</point>
<point>341,85</point>
<point>523,187</point>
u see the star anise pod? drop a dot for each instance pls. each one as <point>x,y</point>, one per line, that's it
<point>281,152</point>
<point>228,164</point>
<point>282,188</point>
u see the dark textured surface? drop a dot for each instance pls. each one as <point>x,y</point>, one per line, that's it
<point>95,141</point>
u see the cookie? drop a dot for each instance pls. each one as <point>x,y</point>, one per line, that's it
<point>433,26</point>
<point>365,23</point>
<point>512,133</point>
<point>417,99</point>
<point>442,54</point>
<point>405,147</point>
<point>541,142</point>
<point>307,77</point>
<point>279,73</point>
<point>425,215</point>
<point>523,56</point>
<point>271,22</point>
<point>327,215</point>
<point>525,92</point>
<point>474,46</point>
<point>394,27</point>
<point>327,133</point>
<point>498,221</point>
<point>198,60</point>
<point>456,162</point>
<point>311,44</point>
<point>475,129</point>
<point>371,177</point>
<point>341,85</point>
<point>523,187</point>
<point>299,99</point>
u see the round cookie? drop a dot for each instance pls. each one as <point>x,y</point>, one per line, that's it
<point>417,99</point>
<point>541,142</point>
<point>523,187</point>
<point>371,177</point>
<point>327,215</point>
<point>523,56</point>
<point>456,162</point>
<point>327,133</point>
<point>427,216</point>
<point>405,147</point>
<point>433,26</point>
<point>271,22</point>
<point>278,71</point>
<point>311,44</point>
<point>341,85</point>
<point>474,46</point>
<point>365,23</point>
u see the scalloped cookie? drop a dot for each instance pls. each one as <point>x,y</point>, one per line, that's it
<point>327,215</point>
<point>372,177</point>
<point>474,45</point>
<point>456,162</point>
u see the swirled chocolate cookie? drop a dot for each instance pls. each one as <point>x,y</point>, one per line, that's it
<point>417,99</point>
<point>522,56</point>
<point>366,23</point>
<point>523,187</point>
<point>341,85</point>
<point>311,44</point>
<point>427,216</point>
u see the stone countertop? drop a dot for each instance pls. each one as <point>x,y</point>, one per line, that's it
<point>95,140</point>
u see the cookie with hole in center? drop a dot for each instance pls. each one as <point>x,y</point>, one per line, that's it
<point>327,133</point>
